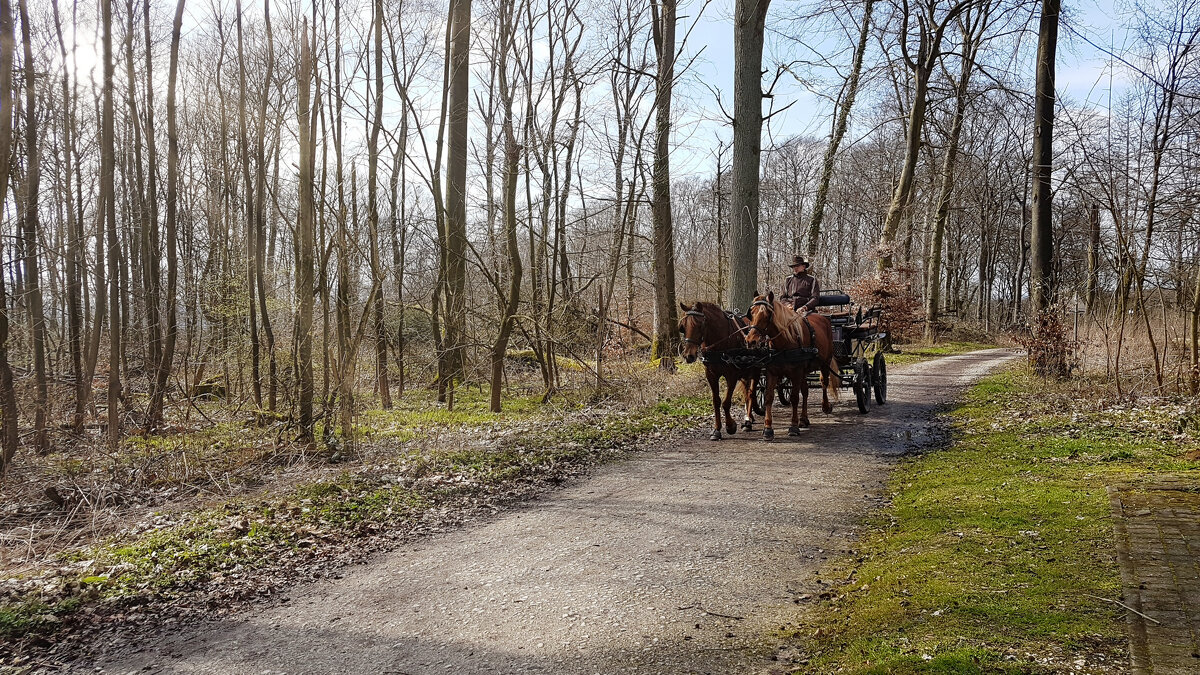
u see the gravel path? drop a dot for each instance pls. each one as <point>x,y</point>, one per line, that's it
<point>679,561</point>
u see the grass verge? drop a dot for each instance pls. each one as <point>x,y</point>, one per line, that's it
<point>916,353</point>
<point>247,547</point>
<point>996,548</point>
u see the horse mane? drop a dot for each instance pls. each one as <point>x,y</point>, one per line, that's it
<point>711,311</point>
<point>786,323</point>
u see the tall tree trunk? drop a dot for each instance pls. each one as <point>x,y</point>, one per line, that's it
<point>663,347</point>
<point>260,213</point>
<point>250,215</point>
<point>512,156</point>
<point>749,24</point>
<point>171,327</point>
<point>109,199</point>
<point>972,34</point>
<point>839,131</point>
<point>1093,257</point>
<point>8,400</point>
<point>1041,236</point>
<point>455,241</point>
<point>74,254</point>
<point>306,241</point>
<point>399,241</point>
<point>32,242</point>
<point>381,359</point>
<point>151,253</point>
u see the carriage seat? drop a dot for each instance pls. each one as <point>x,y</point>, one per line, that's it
<point>830,299</point>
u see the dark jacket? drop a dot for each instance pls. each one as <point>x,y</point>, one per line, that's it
<point>801,290</point>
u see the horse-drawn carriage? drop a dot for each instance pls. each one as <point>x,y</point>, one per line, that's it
<point>840,346</point>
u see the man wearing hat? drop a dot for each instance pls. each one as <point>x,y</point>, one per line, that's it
<point>801,289</point>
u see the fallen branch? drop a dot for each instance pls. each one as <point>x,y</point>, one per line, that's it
<point>723,616</point>
<point>1125,606</point>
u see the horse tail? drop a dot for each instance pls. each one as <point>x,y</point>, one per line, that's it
<point>833,378</point>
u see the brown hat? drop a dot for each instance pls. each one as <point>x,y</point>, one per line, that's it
<point>800,260</point>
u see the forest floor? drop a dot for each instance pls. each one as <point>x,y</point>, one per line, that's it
<point>692,555</point>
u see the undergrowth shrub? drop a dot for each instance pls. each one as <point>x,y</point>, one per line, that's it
<point>893,290</point>
<point>1048,341</point>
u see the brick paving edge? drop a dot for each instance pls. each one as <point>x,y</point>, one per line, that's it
<point>1139,646</point>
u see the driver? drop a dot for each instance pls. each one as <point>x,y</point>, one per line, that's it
<point>801,289</point>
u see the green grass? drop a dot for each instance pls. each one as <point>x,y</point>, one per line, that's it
<point>992,547</point>
<point>916,353</point>
<point>203,549</point>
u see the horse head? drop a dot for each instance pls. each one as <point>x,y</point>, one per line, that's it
<point>762,320</point>
<point>692,328</point>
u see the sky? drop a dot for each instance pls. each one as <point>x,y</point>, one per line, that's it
<point>1082,71</point>
<point>1082,75</point>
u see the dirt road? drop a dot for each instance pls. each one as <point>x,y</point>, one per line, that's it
<point>679,561</point>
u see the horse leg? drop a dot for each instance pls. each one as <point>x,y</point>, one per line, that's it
<point>826,381</point>
<point>768,431</point>
<point>794,428</point>
<point>714,385</point>
<point>748,390</point>
<point>803,402</point>
<point>730,385</point>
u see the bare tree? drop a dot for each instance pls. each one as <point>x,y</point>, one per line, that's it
<point>931,29</point>
<point>454,239</point>
<point>1041,235</point>
<point>32,240</point>
<point>663,25</point>
<point>109,200</point>
<point>841,121</point>
<point>510,298</point>
<point>8,401</point>
<point>972,24</point>
<point>377,272</point>
<point>306,236</point>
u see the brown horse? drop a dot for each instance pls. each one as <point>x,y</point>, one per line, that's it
<point>708,332</point>
<point>775,324</point>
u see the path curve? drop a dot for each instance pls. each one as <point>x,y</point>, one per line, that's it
<point>678,561</point>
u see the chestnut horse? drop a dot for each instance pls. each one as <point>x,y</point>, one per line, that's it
<point>707,332</point>
<point>775,324</point>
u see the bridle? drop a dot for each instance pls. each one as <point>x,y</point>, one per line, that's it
<point>688,340</point>
<point>770,318</point>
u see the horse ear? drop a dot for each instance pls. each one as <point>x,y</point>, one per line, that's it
<point>683,306</point>
<point>770,296</point>
<point>757,293</point>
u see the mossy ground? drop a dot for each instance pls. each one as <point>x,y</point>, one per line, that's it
<point>996,548</point>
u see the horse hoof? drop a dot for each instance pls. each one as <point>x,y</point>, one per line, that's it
<point>748,425</point>
<point>804,424</point>
<point>714,436</point>
<point>828,408</point>
<point>793,431</point>
<point>768,434</point>
<point>731,429</point>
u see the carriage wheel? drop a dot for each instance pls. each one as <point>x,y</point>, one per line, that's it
<point>862,386</point>
<point>879,379</point>
<point>784,391</point>
<point>760,393</point>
